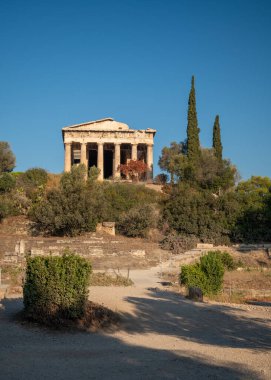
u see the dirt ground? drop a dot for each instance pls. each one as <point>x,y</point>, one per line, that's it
<point>161,335</point>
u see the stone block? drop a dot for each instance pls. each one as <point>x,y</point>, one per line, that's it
<point>138,252</point>
<point>204,246</point>
<point>37,252</point>
<point>195,294</point>
<point>106,227</point>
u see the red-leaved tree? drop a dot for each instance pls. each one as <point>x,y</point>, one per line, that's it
<point>134,169</point>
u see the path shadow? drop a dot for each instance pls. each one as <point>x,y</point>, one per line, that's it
<point>170,314</point>
<point>28,353</point>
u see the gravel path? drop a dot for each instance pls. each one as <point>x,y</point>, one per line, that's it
<point>161,336</point>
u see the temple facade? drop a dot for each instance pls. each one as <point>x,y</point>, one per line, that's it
<point>106,144</point>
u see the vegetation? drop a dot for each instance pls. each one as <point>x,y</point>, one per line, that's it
<point>137,221</point>
<point>254,219</point>
<point>217,145</point>
<point>134,169</point>
<point>7,182</point>
<point>68,210</point>
<point>105,279</point>
<point>193,144</point>
<point>7,158</point>
<point>197,213</point>
<point>179,243</point>
<point>56,287</point>
<point>76,206</point>
<point>206,275</point>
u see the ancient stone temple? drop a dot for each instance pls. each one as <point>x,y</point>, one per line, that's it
<point>106,144</point>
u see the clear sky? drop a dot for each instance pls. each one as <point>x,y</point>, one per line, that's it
<point>66,62</point>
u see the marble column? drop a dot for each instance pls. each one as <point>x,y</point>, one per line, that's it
<point>117,161</point>
<point>134,152</point>
<point>101,160</point>
<point>150,161</point>
<point>68,157</point>
<point>83,159</point>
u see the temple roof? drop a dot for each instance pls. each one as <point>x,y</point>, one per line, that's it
<point>107,124</point>
<point>98,125</point>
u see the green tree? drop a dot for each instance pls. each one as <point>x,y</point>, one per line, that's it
<point>7,158</point>
<point>172,159</point>
<point>214,174</point>
<point>253,223</point>
<point>193,143</point>
<point>217,145</point>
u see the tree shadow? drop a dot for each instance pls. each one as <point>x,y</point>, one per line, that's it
<point>168,313</point>
<point>32,353</point>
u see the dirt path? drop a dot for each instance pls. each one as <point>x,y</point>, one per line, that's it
<point>161,336</point>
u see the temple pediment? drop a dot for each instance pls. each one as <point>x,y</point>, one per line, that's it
<point>107,124</point>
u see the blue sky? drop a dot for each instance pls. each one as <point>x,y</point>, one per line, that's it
<point>66,62</point>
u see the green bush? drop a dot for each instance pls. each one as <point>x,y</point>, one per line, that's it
<point>206,275</point>
<point>213,268</point>
<point>69,210</point>
<point>136,222</point>
<point>227,261</point>
<point>190,211</point>
<point>112,200</point>
<point>7,206</point>
<point>33,183</point>
<point>178,243</point>
<point>56,287</point>
<point>192,275</point>
<point>35,177</point>
<point>7,182</point>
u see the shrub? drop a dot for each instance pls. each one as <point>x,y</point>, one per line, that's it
<point>178,243</point>
<point>7,182</point>
<point>93,174</point>
<point>206,275</point>
<point>191,211</point>
<point>35,177</point>
<point>7,206</point>
<point>192,275</point>
<point>69,210</point>
<point>136,222</point>
<point>56,287</point>
<point>228,261</point>
<point>33,183</point>
<point>112,200</point>
<point>213,268</point>
<point>161,179</point>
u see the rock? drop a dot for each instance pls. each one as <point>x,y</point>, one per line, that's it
<point>37,252</point>
<point>138,252</point>
<point>204,246</point>
<point>107,227</point>
<point>195,294</point>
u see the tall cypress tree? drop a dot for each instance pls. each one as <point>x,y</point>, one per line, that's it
<point>217,145</point>
<point>193,143</point>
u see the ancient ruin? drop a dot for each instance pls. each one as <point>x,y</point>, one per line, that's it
<point>106,144</point>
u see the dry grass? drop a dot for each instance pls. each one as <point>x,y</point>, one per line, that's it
<point>105,279</point>
<point>12,275</point>
<point>248,278</point>
<point>53,181</point>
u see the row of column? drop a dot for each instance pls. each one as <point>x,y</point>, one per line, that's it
<point>100,157</point>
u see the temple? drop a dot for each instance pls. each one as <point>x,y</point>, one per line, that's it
<point>106,144</point>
